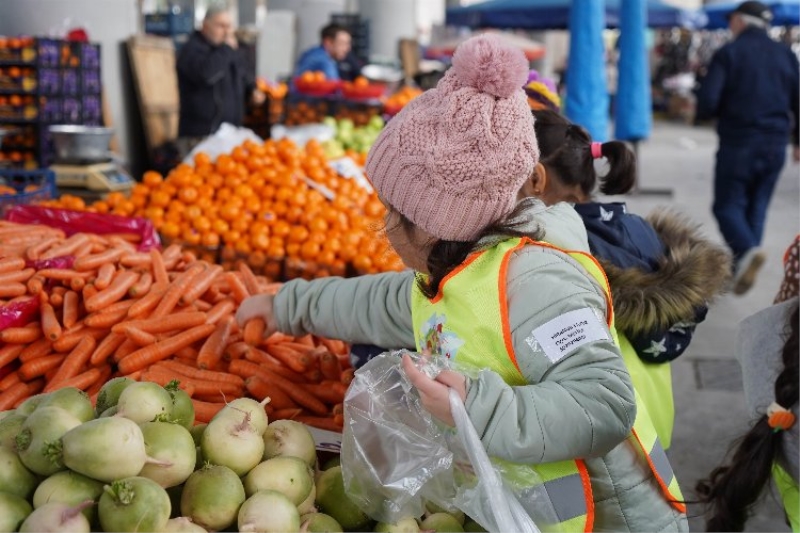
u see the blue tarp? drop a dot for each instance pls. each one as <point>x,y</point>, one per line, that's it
<point>554,14</point>
<point>587,94</point>
<point>632,112</point>
<point>784,13</point>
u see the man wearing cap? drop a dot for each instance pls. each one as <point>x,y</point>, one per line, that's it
<point>752,89</point>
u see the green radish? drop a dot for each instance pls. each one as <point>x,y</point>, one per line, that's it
<point>258,415</point>
<point>182,525</point>
<point>38,440</point>
<point>13,511</point>
<point>332,500</point>
<point>9,427</point>
<point>144,401</point>
<point>442,522</point>
<point>15,478</point>
<point>105,449</point>
<point>72,400</point>
<point>432,508</point>
<point>319,523</point>
<point>172,445</point>
<point>268,511</point>
<point>212,497</point>
<point>108,396</point>
<point>70,488</point>
<point>288,475</point>
<point>111,411</point>
<point>197,432</point>
<point>57,517</point>
<point>182,407</point>
<point>30,405</point>
<point>134,504</point>
<point>233,431</point>
<point>290,438</point>
<point>472,526</point>
<point>4,414</point>
<point>406,525</point>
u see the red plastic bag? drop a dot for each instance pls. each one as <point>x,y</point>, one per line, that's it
<point>18,314</point>
<point>65,261</point>
<point>82,222</point>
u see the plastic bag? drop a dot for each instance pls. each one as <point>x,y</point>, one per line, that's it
<point>80,221</point>
<point>18,314</point>
<point>223,141</point>
<point>65,261</point>
<point>396,457</point>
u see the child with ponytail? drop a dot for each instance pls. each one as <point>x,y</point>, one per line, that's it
<point>662,272</point>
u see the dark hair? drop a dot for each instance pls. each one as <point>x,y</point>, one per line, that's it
<point>566,148</point>
<point>447,255</point>
<point>731,490</point>
<point>331,31</point>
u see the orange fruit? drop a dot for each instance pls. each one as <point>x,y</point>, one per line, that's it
<point>309,250</point>
<point>187,194</point>
<point>170,230</point>
<point>152,178</point>
<point>210,239</point>
<point>298,234</point>
<point>201,224</point>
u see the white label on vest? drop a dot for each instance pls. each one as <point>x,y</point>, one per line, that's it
<point>568,332</point>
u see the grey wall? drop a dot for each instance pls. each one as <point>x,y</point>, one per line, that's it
<point>108,22</point>
<point>312,15</point>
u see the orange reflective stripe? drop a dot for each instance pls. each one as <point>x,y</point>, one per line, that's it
<point>501,280</point>
<point>680,506</point>
<point>587,494</point>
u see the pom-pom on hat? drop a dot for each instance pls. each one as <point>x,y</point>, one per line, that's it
<point>453,160</point>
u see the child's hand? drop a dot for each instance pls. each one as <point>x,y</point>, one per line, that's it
<point>259,306</point>
<point>434,394</point>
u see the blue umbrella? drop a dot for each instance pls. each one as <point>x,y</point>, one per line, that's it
<point>587,93</point>
<point>633,120</point>
<point>784,13</point>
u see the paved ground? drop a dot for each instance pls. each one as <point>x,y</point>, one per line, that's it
<point>707,382</point>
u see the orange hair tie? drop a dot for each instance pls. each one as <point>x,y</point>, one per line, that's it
<point>779,418</point>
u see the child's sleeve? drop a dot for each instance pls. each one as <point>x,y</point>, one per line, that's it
<point>665,345</point>
<point>580,400</point>
<point>365,310</point>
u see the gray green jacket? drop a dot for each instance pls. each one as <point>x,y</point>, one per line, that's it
<point>580,407</point>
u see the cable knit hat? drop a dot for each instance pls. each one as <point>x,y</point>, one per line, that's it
<point>453,160</point>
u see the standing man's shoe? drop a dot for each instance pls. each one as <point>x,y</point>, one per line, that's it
<point>747,270</point>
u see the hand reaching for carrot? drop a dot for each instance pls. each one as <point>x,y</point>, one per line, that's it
<point>258,306</point>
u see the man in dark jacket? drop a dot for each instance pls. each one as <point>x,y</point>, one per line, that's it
<point>212,80</point>
<point>752,89</point>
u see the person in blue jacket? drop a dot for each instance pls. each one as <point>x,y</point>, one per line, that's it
<point>335,46</point>
<point>751,88</point>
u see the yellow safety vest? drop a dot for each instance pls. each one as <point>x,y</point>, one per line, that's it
<point>468,321</point>
<point>789,494</point>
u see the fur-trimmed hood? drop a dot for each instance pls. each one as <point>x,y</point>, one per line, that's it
<point>691,273</point>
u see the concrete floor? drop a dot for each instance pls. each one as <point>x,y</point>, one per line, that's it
<point>709,402</point>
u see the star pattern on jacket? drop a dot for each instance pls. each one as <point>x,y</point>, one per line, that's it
<point>656,348</point>
<point>606,216</point>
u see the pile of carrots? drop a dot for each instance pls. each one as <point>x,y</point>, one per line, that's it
<point>153,316</point>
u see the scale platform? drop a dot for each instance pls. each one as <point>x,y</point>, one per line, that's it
<point>97,177</point>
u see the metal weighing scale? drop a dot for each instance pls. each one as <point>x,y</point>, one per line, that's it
<point>84,165</point>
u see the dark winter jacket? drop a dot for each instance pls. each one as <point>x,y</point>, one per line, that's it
<point>752,89</point>
<point>213,83</point>
<point>662,273</point>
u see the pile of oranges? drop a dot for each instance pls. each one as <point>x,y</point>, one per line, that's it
<point>394,103</point>
<point>263,203</point>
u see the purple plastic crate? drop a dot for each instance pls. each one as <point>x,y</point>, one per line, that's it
<point>51,110</point>
<point>91,81</point>
<point>70,81</point>
<point>92,110</point>
<point>72,110</point>
<point>90,56</point>
<point>48,52</point>
<point>49,81</point>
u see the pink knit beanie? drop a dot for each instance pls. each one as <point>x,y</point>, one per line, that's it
<point>453,160</point>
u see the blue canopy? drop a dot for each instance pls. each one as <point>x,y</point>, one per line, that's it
<point>784,13</point>
<point>554,14</point>
<point>632,112</point>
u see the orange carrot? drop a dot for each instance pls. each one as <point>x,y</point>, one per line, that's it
<point>202,305</point>
<point>104,276</point>
<point>330,366</point>
<point>254,331</point>
<point>36,349</point>
<point>55,299</point>
<point>86,249</point>
<point>178,287</point>
<point>87,291</point>
<point>10,264</point>
<point>236,350</point>
<point>203,411</point>
<point>74,362</point>
<point>149,301</point>
<point>214,347</point>
<point>347,376</point>
<point>141,287</point>
<point>274,365</point>
<point>163,378</point>
<point>177,321</point>
<point>68,341</point>
<point>161,350</point>
<point>141,338</point>
<point>39,367</point>
<point>238,289</point>
<point>80,381</point>
<point>279,338</point>
<point>300,396</point>
<point>189,354</point>
<point>331,392</point>
<point>108,317</point>
<point>67,247</point>
<point>105,373</point>
<point>124,350</point>
<point>33,252</point>
<point>9,353</point>
<point>50,326</point>
<point>9,380</point>
<point>18,276</point>
<point>286,414</point>
<point>106,347</point>
<point>11,290</point>
<point>77,284</point>
<point>307,341</point>
<point>70,309</point>
<point>249,279</point>
<point>96,261</point>
<point>62,274</point>
<point>23,335</point>
<point>135,259</point>
<point>221,309</point>
<point>159,269</point>
<point>10,396</point>
<point>200,374</point>
<point>320,422</point>
<point>200,284</point>
<point>293,359</point>
<point>115,291</point>
<point>338,419</point>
